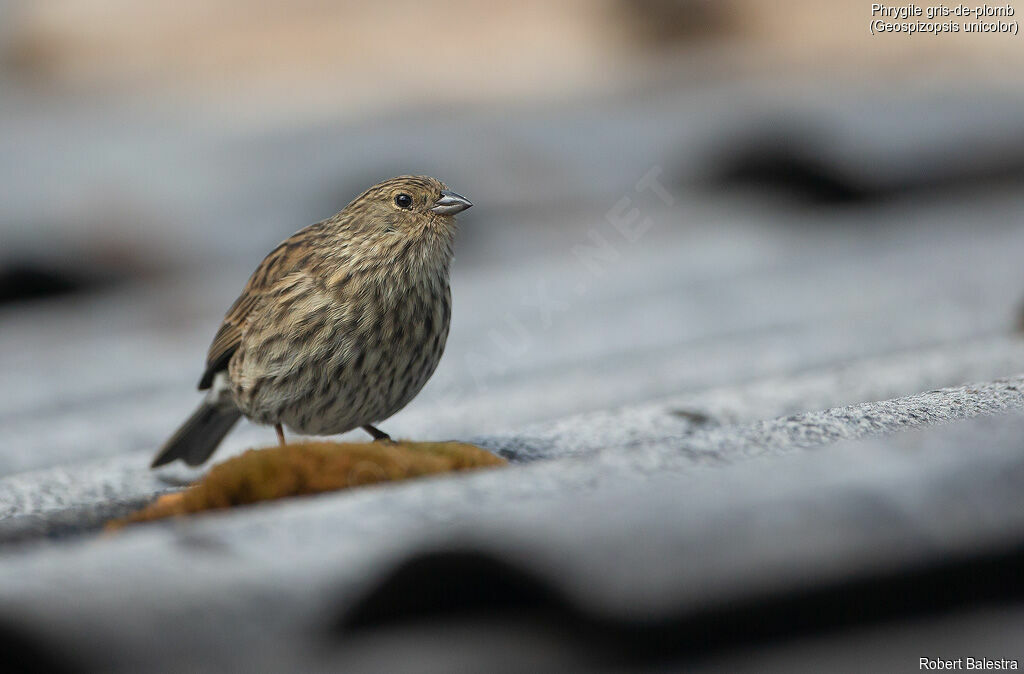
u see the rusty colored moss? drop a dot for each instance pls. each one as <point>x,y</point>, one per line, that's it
<point>310,468</point>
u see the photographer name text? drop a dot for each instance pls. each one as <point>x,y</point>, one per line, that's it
<point>939,664</point>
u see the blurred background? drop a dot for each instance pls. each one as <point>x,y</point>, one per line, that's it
<point>670,194</point>
<point>706,234</point>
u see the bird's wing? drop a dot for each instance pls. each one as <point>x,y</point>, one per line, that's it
<point>275,266</point>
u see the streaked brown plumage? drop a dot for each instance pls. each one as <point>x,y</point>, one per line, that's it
<point>339,327</point>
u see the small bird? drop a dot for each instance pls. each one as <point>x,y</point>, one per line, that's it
<point>339,327</point>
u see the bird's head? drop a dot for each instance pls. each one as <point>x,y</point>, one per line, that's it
<point>408,205</point>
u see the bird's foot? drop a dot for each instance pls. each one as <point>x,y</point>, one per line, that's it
<point>378,435</point>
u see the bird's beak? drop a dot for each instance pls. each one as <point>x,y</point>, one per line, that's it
<point>450,203</point>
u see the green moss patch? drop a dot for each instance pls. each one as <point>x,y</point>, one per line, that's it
<point>310,468</point>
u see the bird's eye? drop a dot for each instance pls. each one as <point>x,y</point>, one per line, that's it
<point>403,201</point>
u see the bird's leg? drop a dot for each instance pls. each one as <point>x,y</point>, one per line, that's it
<point>377,433</point>
<point>280,434</point>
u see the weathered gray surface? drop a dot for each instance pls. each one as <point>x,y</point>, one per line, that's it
<point>634,534</point>
<point>750,403</point>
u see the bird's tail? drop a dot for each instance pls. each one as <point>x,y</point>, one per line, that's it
<point>199,436</point>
